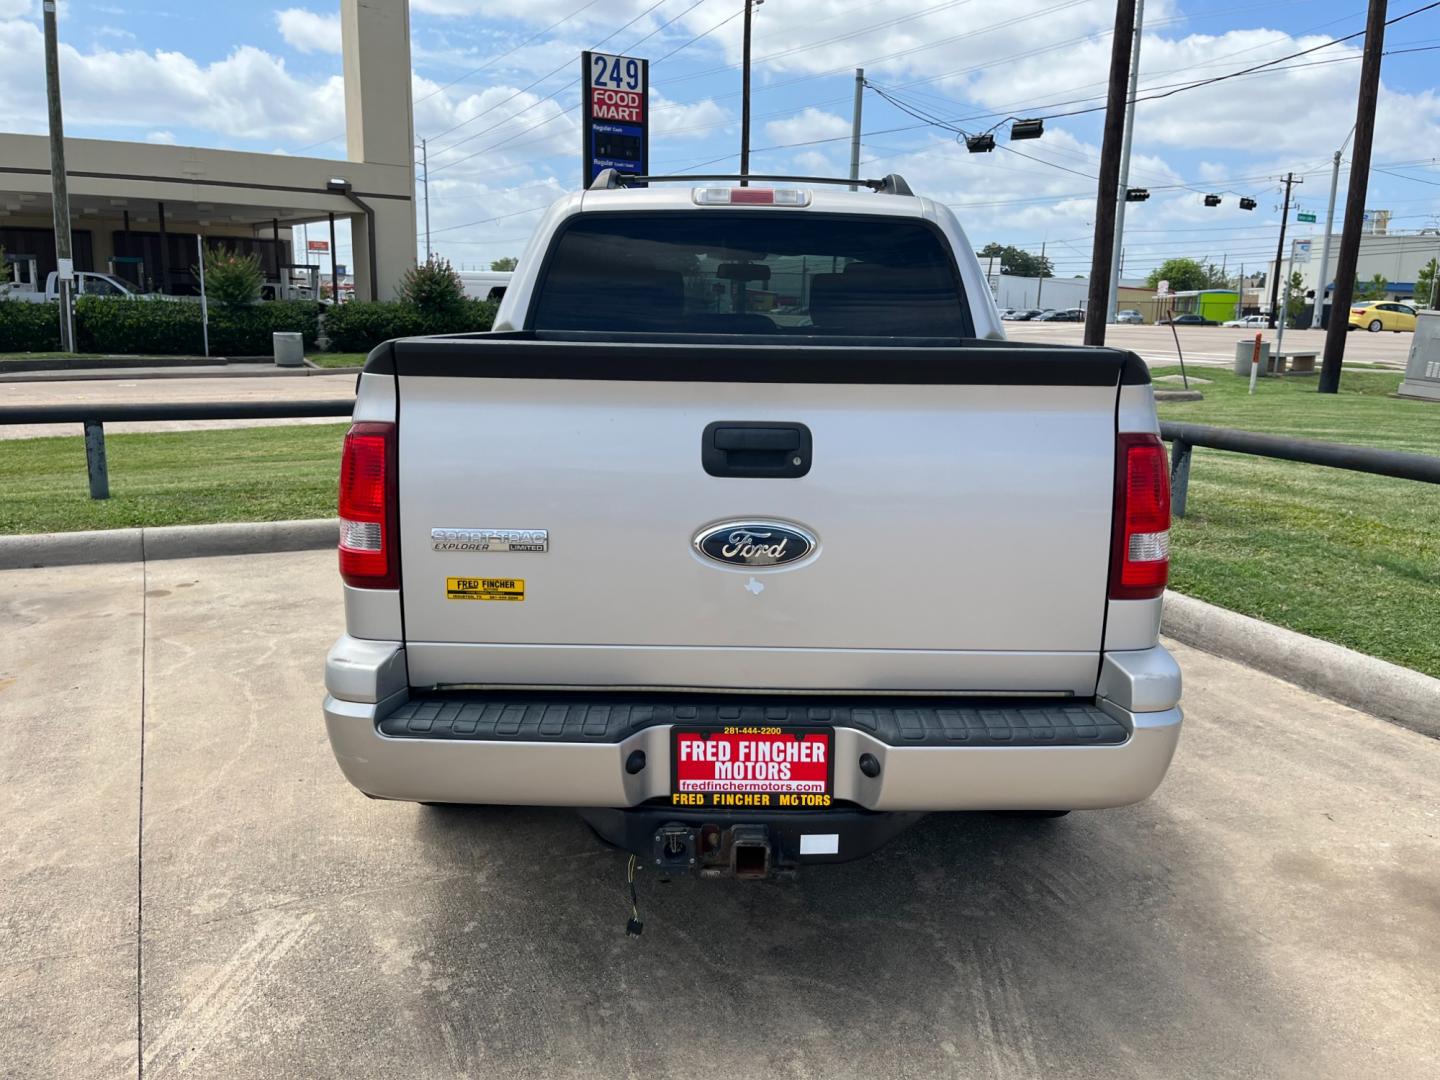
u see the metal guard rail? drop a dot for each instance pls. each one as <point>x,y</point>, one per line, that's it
<point>1185,437</point>
<point>94,417</point>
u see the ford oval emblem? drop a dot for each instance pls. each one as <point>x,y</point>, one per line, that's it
<point>753,544</point>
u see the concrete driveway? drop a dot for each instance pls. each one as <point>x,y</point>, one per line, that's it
<point>1274,911</point>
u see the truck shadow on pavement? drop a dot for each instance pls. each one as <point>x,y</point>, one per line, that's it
<point>1099,944</point>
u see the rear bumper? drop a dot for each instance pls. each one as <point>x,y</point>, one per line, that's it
<point>591,770</point>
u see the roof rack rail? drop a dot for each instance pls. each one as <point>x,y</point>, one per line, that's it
<point>893,184</point>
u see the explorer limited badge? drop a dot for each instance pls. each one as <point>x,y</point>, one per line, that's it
<point>754,544</point>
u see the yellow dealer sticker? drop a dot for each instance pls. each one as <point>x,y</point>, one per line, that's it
<point>484,588</point>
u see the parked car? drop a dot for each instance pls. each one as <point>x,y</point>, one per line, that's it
<point>1063,315</point>
<point>1024,315</point>
<point>1382,315</point>
<point>1249,322</point>
<point>749,647</point>
<point>1189,320</point>
<point>1128,315</point>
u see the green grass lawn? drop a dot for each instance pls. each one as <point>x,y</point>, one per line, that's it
<point>336,359</point>
<point>172,478</point>
<point>1343,556</point>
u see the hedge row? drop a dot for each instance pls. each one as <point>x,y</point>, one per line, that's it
<point>173,328</point>
<point>28,327</point>
<point>358,326</point>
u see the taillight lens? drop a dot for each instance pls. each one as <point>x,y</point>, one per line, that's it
<point>1140,565</point>
<point>369,513</point>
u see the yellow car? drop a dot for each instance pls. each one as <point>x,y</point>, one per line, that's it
<point>1382,315</point>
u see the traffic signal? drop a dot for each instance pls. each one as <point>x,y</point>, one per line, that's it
<point>1247,204</point>
<point>980,144</point>
<point>1212,200</point>
<point>1136,194</point>
<point>1027,129</point>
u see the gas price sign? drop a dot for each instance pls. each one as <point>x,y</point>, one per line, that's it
<point>613,97</point>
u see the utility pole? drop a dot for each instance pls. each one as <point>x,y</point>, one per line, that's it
<point>425,161</point>
<point>855,128</point>
<point>1354,199</point>
<point>1325,245</point>
<point>59,189</point>
<point>1125,164</point>
<point>1040,281</point>
<point>1109,185</point>
<point>1280,249</point>
<point>745,97</point>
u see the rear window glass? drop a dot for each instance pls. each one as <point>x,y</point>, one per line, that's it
<point>721,272</point>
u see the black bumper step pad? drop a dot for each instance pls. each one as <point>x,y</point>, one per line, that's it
<point>486,716</point>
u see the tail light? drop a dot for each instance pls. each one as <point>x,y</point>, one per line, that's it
<point>1140,565</point>
<point>369,510</point>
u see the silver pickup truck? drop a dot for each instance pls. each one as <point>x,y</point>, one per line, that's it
<point>748,534</point>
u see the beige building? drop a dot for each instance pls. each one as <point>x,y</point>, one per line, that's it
<point>137,208</point>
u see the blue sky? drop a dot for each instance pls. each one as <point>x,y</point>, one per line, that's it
<point>504,140</point>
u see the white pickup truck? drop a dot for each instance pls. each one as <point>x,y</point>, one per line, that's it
<point>87,283</point>
<point>748,534</point>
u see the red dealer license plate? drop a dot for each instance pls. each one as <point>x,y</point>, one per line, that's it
<point>751,768</point>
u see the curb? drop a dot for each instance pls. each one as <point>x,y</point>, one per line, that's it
<point>1373,686</point>
<point>136,374</point>
<point>165,542</point>
<point>139,360</point>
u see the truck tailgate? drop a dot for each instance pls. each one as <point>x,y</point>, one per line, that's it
<point>959,500</point>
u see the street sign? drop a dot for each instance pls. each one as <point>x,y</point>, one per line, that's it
<point>1309,219</point>
<point>614,133</point>
<point>317,245</point>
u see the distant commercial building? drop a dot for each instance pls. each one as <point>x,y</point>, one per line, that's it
<point>1023,293</point>
<point>137,208</point>
<point>1396,257</point>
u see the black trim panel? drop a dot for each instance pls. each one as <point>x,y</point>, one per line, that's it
<point>520,355</point>
<point>520,716</point>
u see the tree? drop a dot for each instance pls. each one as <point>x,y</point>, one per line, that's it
<point>231,279</point>
<point>433,287</point>
<point>1183,275</point>
<point>1425,284</point>
<point>1016,261</point>
<point>1374,289</point>
<point>1296,301</point>
<point>509,262</point>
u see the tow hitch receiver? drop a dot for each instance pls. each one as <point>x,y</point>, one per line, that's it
<point>712,851</point>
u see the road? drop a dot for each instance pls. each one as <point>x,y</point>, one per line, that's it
<point>1274,911</point>
<point>1215,344</point>
<point>200,388</point>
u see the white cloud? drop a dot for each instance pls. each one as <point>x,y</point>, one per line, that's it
<point>247,95</point>
<point>162,138</point>
<point>309,32</point>
<point>16,9</point>
<point>813,123</point>
<point>684,119</point>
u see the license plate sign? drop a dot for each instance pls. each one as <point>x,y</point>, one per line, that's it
<point>752,769</point>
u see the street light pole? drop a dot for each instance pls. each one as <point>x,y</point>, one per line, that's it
<point>1324,278</point>
<point>59,189</point>
<point>855,127</point>
<point>425,161</point>
<point>1125,165</point>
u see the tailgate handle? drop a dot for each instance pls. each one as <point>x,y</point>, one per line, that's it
<point>755,449</point>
